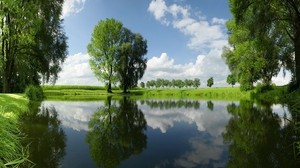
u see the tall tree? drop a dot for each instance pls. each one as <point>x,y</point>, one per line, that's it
<point>279,20</point>
<point>26,28</point>
<point>104,49</point>
<point>131,61</point>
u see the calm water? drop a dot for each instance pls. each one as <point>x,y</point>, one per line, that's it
<point>159,134</point>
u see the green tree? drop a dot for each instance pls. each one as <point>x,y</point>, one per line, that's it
<point>251,59</point>
<point>32,43</point>
<point>275,25</point>
<point>131,63</point>
<point>231,80</point>
<point>142,84</point>
<point>196,82</point>
<point>104,49</point>
<point>210,82</point>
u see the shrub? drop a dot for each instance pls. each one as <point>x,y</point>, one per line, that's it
<point>34,93</point>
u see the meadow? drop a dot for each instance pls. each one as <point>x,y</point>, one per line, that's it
<point>97,92</point>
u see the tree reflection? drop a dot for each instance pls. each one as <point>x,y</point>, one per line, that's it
<point>116,132</point>
<point>256,138</point>
<point>171,104</point>
<point>45,136</point>
<point>210,105</point>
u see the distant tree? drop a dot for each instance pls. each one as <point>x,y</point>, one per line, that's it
<point>231,80</point>
<point>196,82</point>
<point>142,85</point>
<point>210,82</point>
<point>104,49</point>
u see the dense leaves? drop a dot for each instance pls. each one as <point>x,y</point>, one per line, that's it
<point>264,36</point>
<point>117,54</point>
<point>32,43</point>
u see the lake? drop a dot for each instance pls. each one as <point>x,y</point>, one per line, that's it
<point>159,134</point>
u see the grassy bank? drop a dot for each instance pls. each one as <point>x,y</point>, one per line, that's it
<point>98,93</point>
<point>11,150</point>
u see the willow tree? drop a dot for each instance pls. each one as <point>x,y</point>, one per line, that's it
<point>278,21</point>
<point>32,42</point>
<point>131,61</point>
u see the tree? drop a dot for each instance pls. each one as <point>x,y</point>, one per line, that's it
<point>142,84</point>
<point>104,49</point>
<point>277,21</point>
<point>231,80</point>
<point>131,63</point>
<point>210,82</point>
<point>196,82</point>
<point>251,59</point>
<point>32,43</point>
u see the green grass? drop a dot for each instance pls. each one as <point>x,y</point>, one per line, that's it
<point>11,150</point>
<point>99,93</point>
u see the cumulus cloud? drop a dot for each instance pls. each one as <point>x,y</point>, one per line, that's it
<point>76,71</point>
<point>204,67</point>
<point>72,7</point>
<point>203,33</point>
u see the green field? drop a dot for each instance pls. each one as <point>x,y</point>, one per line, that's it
<point>11,150</point>
<point>96,93</point>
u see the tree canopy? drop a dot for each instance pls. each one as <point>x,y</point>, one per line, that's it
<point>117,54</point>
<point>264,36</point>
<point>32,43</point>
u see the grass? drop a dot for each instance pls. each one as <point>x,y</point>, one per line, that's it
<point>11,150</point>
<point>99,93</point>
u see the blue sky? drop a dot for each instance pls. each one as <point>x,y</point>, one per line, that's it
<point>185,37</point>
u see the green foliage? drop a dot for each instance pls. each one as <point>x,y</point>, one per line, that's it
<point>210,82</point>
<point>32,41</point>
<point>142,85</point>
<point>117,54</point>
<point>265,37</point>
<point>104,49</point>
<point>34,93</point>
<point>231,80</point>
<point>131,61</point>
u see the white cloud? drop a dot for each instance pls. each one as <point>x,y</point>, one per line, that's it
<point>205,66</point>
<point>280,79</point>
<point>203,33</point>
<point>76,71</point>
<point>72,7</point>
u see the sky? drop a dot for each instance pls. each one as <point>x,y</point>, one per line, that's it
<point>184,37</point>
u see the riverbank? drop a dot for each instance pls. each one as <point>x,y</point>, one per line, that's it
<point>99,93</point>
<point>12,152</point>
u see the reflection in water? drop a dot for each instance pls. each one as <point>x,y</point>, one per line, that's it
<point>256,138</point>
<point>210,105</point>
<point>45,136</point>
<point>116,133</point>
<point>169,104</point>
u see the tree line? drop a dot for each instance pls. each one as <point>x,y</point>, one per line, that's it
<point>264,37</point>
<point>32,43</point>
<point>176,83</point>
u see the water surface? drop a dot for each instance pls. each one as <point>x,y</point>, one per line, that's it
<point>159,133</point>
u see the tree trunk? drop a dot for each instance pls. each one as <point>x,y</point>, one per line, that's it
<point>109,80</point>
<point>297,60</point>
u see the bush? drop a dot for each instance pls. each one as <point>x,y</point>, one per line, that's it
<point>34,93</point>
